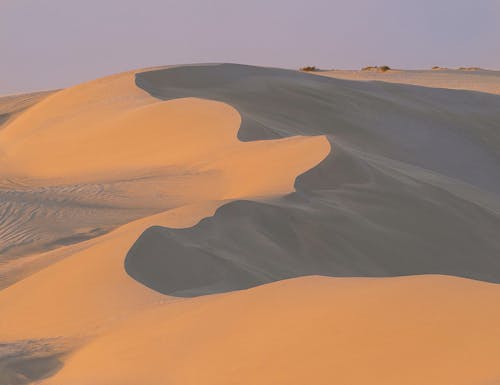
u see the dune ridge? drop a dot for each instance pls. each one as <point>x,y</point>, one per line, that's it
<point>13,105</point>
<point>385,202</point>
<point>187,160</point>
<point>192,180</point>
<point>123,161</point>
<point>427,329</point>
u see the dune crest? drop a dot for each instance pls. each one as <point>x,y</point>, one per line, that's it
<point>474,79</point>
<point>106,152</point>
<point>137,156</point>
<point>431,330</point>
<point>408,189</point>
<point>12,106</point>
<point>135,191</point>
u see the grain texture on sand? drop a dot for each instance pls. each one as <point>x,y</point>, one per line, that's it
<point>13,105</point>
<point>451,133</point>
<point>133,152</point>
<point>94,156</point>
<point>310,175</point>
<point>431,330</point>
<point>411,187</point>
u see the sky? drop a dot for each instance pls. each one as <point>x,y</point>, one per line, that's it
<point>48,44</point>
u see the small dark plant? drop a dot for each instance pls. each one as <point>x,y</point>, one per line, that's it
<point>376,68</point>
<point>309,68</point>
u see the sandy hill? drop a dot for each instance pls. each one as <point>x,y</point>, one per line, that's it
<point>13,105</point>
<point>473,79</point>
<point>151,222</point>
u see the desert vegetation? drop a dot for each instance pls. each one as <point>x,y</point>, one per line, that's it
<point>470,68</point>
<point>308,68</point>
<point>376,68</point>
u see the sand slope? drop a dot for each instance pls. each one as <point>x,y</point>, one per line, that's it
<point>452,133</point>
<point>478,80</point>
<point>121,197</point>
<point>418,330</point>
<point>411,186</point>
<point>106,152</point>
<point>12,105</point>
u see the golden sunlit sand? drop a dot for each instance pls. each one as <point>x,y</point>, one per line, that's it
<point>459,79</point>
<point>413,330</point>
<point>229,224</point>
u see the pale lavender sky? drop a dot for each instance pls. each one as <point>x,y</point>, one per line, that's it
<point>46,44</point>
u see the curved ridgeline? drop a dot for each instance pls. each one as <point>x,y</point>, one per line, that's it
<point>411,185</point>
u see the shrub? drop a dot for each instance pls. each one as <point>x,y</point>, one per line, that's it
<point>309,68</point>
<point>376,68</point>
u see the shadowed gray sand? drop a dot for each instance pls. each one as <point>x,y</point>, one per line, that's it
<point>453,133</point>
<point>411,186</point>
<point>23,362</point>
<point>25,212</point>
<point>38,215</point>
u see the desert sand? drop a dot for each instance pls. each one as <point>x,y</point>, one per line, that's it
<point>479,80</point>
<point>222,224</point>
<point>426,329</point>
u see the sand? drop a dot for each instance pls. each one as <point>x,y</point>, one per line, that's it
<point>473,80</point>
<point>222,224</point>
<point>411,186</point>
<point>429,329</point>
<point>12,105</point>
<point>123,161</point>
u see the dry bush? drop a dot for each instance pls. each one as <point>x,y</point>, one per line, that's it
<point>309,68</point>
<point>376,68</point>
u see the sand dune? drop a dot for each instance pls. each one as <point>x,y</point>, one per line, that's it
<point>12,105</point>
<point>66,304</point>
<point>418,330</point>
<point>477,80</point>
<point>121,197</point>
<point>107,153</point>
<point>412,191</point>
<point>180,155</point>
<point>453,133</point>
